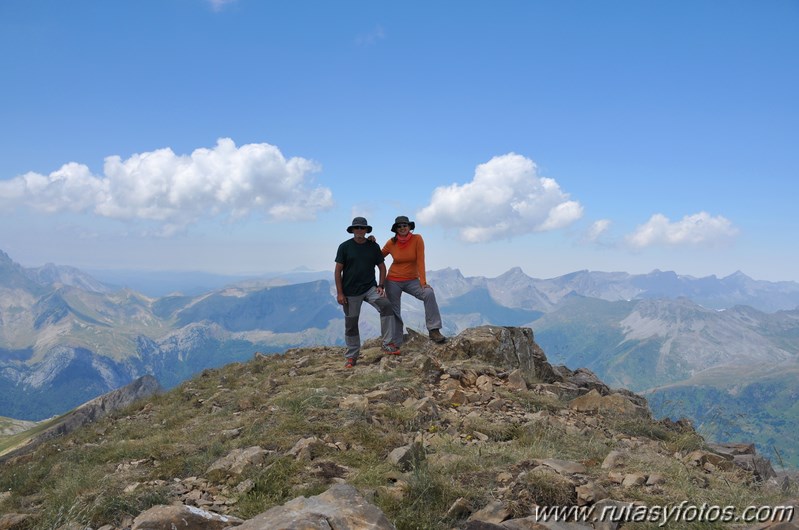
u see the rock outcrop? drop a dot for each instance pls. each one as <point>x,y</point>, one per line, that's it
<point>340,507</point>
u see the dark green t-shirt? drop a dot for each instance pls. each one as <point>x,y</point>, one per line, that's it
<point>359,260</point>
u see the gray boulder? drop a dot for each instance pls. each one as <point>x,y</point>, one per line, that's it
<point>340,508</point>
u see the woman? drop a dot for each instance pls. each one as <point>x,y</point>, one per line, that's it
<point>407,274</point>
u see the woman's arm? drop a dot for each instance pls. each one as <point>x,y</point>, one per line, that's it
<point>420,266</point>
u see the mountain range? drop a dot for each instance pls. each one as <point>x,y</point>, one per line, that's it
<point>721,351</point>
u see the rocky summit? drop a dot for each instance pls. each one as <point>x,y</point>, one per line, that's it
<point>480,432</point>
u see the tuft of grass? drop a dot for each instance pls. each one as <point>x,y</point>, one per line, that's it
<point>115,506</point>
<point>426,500</point>
<point>87,496</point>
<point>674,439</point>
<point>542,488</point>
<point>642,427</point>
<point>685,442</point>
<point>274,485</point>
<point>530,401</point>
<point>496,431</point>
<point>544,440</point>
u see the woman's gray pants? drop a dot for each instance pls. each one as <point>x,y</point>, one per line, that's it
<point>432,316</point>
<point>352,312</point>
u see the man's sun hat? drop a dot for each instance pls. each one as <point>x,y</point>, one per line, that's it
<point>359,222</point>
<point>402,220</point>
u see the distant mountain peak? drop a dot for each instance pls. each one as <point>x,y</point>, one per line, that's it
<point>513,272</point>
<point>658,272</point>
<point>12,274</point>
<point>738,275</point>
<point>450,272</point>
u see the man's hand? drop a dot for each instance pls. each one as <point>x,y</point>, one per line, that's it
<point>341,299</point>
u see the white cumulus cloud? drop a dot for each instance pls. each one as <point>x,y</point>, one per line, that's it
<point>506,197</point>
<point>597,230</point>
<point>175,191</point>
<point>696,229</point>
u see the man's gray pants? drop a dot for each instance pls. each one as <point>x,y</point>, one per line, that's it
<point>352,312</point>
<point>432,316</point>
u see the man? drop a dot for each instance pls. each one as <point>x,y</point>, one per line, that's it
<point>356,260</point>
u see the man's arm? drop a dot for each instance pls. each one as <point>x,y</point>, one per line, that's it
<point>382,268</point>
<point>337,274</point>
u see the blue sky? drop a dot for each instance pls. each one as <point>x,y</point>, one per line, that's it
<point>242,137</point>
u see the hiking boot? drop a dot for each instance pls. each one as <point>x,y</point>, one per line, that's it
<point>351,362</point>
<point>436,336</point>
<point>391,349</point>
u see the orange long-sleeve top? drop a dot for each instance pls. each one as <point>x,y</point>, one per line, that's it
<point>407,261</point>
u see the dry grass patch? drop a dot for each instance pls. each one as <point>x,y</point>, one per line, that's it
<point>275,484</point>
<point>541,487</point>
<point>425,501</point>
<point>685,484</point>
<point>546,440</point>
<point>531,401</point>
